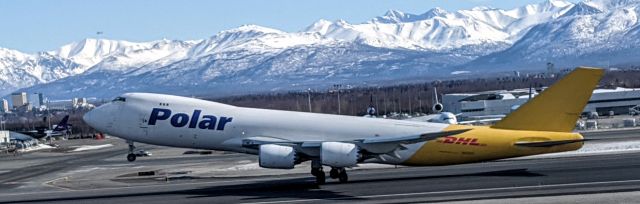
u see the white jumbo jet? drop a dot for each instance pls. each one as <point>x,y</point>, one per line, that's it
<point>283,139</point>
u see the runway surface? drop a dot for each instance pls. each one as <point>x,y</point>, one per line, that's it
<point>546,180</point>
<point>504,179</point>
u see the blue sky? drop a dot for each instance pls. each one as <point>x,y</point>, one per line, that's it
<point>40,25</point>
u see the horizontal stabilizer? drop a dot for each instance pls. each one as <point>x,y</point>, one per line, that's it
<point>548,143</point>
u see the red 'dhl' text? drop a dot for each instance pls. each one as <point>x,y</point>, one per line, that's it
<point>461,141</point>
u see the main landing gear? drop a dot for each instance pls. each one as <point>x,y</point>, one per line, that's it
<point>319,174</point>
<point>131,156</point>
<point>316,170</point>
<point>339,173</point>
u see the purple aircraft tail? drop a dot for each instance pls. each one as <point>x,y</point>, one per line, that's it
<point>62,126</point>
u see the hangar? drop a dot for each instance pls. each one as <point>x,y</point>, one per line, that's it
<point>502,102</point>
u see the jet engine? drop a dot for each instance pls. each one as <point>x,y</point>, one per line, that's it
<point>448,118</point>
<point>437,107</point>
<point>276,156</point>
<point>339,154</point>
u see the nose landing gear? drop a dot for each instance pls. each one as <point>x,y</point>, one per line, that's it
<point>131,156</point>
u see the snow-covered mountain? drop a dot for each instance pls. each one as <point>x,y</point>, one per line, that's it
<point>594,33</point>
<point>439,29</point>
<point>19,70</point>
<point>394,46</point>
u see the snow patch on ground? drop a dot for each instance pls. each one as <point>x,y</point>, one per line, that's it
<point>36,148</point>
<point>242,167</point>
<point>90,147</point>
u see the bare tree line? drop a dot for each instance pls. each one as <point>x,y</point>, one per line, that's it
<point>416,97</point>
<point>413,97</point>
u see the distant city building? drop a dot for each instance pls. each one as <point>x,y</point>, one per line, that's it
<point>5,106</point>
<point>33,100</point>
<point>19,99</point>
<point>37,101</point>
<point>4,138</point>
<point>41,101</point>
<point>81,103</point>
<point>60,105</point>
<point>74,102</point>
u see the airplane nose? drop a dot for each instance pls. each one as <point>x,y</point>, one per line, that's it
<point>103,118</point>
<point>98,117</point>
<point>90,118</point>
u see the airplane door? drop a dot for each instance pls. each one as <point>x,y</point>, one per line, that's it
<point>144,124</point>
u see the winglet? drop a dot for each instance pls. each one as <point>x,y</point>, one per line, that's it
<point>558,107</point>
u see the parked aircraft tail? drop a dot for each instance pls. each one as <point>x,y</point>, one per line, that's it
<point>63,125</point>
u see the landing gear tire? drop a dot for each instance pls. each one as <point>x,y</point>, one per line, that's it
<point>319,174</point>
<point>339,173</point>
<point>334,173</point>
<point>320,179</point>
<point>131,157</point>
<point>343,177</point>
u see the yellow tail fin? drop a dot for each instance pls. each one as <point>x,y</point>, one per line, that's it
<point>558,107</point>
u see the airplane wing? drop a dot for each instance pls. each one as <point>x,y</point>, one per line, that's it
<point>372,145</point>
<point>424,118</point>
<point>413,138</point>
<point>390,145</point>
<point>468,122</point>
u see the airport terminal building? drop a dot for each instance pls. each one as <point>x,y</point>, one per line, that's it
<point>502,102</point>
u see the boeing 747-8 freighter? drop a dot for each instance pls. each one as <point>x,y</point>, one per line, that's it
<point>283,139</point>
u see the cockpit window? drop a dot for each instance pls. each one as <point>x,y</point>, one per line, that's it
<point>123,99</point>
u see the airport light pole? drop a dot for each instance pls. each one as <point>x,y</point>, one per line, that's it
<point>377,105</point>
<point>420,104</point>
<point>309,98</point>
<point>410,107</point>
<point>49,120</point>
<point>384,102</point>
<point>337,87</point>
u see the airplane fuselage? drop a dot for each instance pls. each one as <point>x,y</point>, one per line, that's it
<point>193,123</point>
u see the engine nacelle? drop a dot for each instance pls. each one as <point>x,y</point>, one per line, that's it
<point>339,154</point>
<point>438,107</point>
<point>276,156</point>
<point>448,118</point>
